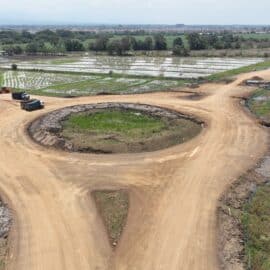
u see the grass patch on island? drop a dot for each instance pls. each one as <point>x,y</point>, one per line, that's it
<point>256,220</point>
<point>125,131</point>
<point>113,206</point>
<point>126,123</point>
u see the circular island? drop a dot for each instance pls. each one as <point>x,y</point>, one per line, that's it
<point>114,128</point>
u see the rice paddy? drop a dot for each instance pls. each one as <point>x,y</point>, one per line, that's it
<point>167,67</point>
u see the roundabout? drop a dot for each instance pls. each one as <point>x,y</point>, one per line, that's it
<point>174,192</point>
<point>114,128</point>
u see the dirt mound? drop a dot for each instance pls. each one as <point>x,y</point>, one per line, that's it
<point>256,78</point>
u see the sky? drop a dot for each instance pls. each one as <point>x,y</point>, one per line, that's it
<point>134,11</point>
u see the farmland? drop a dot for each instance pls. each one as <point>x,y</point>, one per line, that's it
<point>61,84</point>
<point>168,67</point>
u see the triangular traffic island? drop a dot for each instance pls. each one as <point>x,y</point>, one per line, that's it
<point>113,206</point>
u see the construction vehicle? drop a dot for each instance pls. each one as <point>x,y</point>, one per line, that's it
<point>32,105</point>
<point>5,90</point>
<point>20,96</point>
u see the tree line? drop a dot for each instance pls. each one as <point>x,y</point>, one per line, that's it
<point>49,42</point>
<point>61,41</point>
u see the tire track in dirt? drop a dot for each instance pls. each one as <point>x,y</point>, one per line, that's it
<point>174,197</point>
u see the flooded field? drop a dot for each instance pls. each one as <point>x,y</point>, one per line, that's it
<point>170,67</point>
<point>61,84</point>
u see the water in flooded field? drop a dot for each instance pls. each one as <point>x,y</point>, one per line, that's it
<point>175,67</point>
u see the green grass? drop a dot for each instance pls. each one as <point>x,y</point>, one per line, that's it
<point>259,103</point>
<point>234,72</point>
<point>116,130</point>
<point>126,123</point>
<point>113,207</point>
<point>1,78</point>
<point>258,36</point>
<point>256,220</point>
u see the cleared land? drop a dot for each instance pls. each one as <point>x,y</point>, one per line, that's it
<point>57,226</point>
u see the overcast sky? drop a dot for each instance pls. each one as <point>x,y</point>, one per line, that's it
<point>135,11</point>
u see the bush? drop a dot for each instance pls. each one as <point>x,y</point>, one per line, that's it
<point>14,67</point>
<point>180,51</point>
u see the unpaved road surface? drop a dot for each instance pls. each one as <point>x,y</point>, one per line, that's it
<point>174,192</point>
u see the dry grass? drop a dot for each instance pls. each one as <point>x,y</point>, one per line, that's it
<point>113,206</point>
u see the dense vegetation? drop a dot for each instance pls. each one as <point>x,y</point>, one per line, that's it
<point>61,41</point>
<point>256,221</point>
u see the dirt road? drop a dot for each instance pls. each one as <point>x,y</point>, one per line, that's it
<point>174,192</point>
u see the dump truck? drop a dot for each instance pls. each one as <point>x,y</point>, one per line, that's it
<point>32,105</point>
<point>20,96</point>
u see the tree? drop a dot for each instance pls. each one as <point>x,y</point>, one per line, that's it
<point>115,46</point>
<point>148,44</point>
<point>14,67</point>
<point>18,49</point>
<point>100,44</point>
<point>11,50</point>
<point>47,36</point>
<point>219,45</point>
<point>119,47</point>
<point>160,42</point>
<point>180,50</point>
<point>196,42</point>
<point>125,44</point>
<point>32,47</point>
<point>74,45</point>
<point>26,37</point>
<point>178,41</point>
<point>60,47</point>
